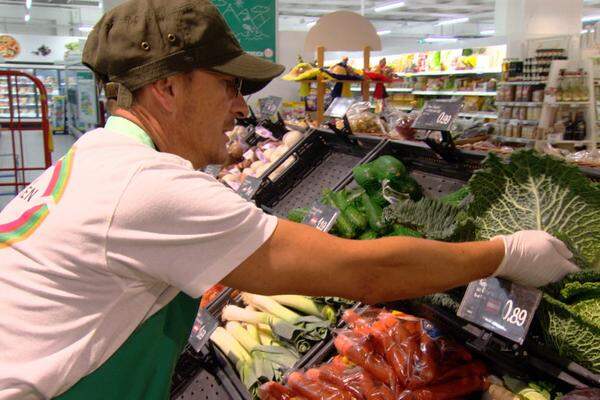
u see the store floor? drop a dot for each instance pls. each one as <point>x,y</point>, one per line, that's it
<point>33,156</point>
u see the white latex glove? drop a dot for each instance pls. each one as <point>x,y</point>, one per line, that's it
<point>534,258</point>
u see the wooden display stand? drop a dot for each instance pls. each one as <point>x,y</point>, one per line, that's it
<point>365,84</point>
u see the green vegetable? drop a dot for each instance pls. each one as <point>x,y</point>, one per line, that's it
<point>455,198</point>
<point>534,191</point>
<point>307,305</point>
<point>388,167</point>
<point>404,231</point>
<point>436,220</point>
<point>340,199</point>
<point>409,186</point>
<point>366,178</point>
<point>343,226</point>
<point>236,353</point>
<point>378,199</point>
<point>355,217</point>
<point>297,214</point>
<point>374,213</point>
<point>539,192</point>
<point>368,235</point>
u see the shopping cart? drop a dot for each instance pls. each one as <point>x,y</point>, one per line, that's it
<point>20,133</point>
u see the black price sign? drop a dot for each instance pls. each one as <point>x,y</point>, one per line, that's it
<point>321,216</point>
<point>249,187</point>
<point>500,306</point>
<point>438,115</point>
<point>204,325</point>
<point>339,107</point>
<point>213,170</point>
<point>269,106</point>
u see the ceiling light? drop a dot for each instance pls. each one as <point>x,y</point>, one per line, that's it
<point>386,32</point>
<point>311,24</point>
<point>440,39</point>
<point>28,4</point>
<point>85,28</point>
<point>588,31</point>
<point>488,32</point>
<point>390,6</point>
<point>27,17</point>
<point>452,21</point>
<point>101,4</point>
<point>590,18</point>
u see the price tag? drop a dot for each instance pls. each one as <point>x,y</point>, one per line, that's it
<point>339,107</point>
<point>500,306</point>
<point>249,187</point>
<point>269,106</point>
<point>321,216</point>
<point>204,325</point>
<point>438,115</point>
<point>213,170</point>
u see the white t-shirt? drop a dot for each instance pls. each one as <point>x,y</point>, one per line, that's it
<point>100,242</point>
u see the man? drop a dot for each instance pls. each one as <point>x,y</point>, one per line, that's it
<point>104,254</point>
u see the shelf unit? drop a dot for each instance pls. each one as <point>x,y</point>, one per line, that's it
<point>520,103</point>
<point>522,83</point>
<point>451,93</point>
<point>442,73</point>
<point>520,121</point>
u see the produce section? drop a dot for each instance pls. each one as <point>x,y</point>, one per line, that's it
<point>396,188</point>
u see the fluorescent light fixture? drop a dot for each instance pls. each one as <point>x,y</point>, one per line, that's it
<point>440,39</point>
<point>27,17</point>
<point>311,24</point>
<point>390,6</point>
<point>85,28</point>
<point>452,21</point>
<point>590,18</point>
<point>588,31</point>
<point>488,32</point>
<point>100,4</point>
<point>386,32</point>
<point>28,4</point>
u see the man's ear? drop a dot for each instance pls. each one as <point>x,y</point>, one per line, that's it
<point>164,93</point>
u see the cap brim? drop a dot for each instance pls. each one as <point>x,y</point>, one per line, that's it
<point>255,72</point>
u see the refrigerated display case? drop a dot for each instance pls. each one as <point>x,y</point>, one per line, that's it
<point>53,80</point>
<point>81,99</point>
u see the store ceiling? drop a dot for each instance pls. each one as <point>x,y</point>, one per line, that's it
<point>414,19</point>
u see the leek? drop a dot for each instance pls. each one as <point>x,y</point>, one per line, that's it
<point>307,305</point>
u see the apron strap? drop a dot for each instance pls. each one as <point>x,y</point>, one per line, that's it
<point>143,366</point>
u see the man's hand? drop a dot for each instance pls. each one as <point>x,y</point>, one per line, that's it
<point>534,258</point>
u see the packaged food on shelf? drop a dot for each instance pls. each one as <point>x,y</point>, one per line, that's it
<point>363,120</point>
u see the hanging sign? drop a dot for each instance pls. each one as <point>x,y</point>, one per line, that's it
<point>438,115</point>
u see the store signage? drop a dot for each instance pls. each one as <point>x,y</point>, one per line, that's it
<point>9,47</point>
<point>438,115</point>
<point>204,326</point>
<point>249,187</point>
<point>213,170</point>
<point>269,106</point>
<point>500,306</point>
<point>254,23</point>
<point>321,216</point>
<point>339,107</point>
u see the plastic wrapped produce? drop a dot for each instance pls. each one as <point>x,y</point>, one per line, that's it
<point>362,120</point>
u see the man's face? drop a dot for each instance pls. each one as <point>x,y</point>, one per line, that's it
<point>207,108</point>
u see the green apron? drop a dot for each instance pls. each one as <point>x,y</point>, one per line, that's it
<point>143,366</point>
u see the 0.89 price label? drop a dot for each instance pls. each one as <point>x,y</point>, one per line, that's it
<point>500,306</point>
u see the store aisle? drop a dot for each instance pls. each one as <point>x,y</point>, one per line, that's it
<point>33,154</point>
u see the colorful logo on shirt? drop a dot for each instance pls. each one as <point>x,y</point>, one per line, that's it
<point>24,226</point>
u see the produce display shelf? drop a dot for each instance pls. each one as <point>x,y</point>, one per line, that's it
<point>520,121</point>
<point>389,90</point>
<point>569,103</point>
<point>322,160</point>
<point>510,83</point>
<point>443,73</point>
<point>519,103</point>
<point>451,93</point>
<point>509,139</point>
<point>484,115</point>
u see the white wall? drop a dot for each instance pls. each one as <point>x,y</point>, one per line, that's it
<point>289,45</point>
<point>30,43</point>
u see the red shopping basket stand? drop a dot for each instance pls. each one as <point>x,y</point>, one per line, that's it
<point>16,123</point>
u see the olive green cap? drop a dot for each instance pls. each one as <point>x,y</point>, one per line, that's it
<point>142,41</point>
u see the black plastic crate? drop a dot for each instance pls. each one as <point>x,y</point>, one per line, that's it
<point>322,160</point>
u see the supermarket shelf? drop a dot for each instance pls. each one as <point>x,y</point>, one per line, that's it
<point>18,94</point>
<point>522,83</point>
<point>442,73</point>
<point>569,141</point>
<point>570,103</point>
<point>478,115</point>
<point>512,139</point>
<point>519,103</point>
<point>520,121</point>
<point>451,93</point>
<point>390,90</point>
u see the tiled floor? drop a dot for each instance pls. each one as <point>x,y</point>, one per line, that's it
<point>33,156</point>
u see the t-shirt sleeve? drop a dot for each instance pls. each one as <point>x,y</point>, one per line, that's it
<point>183,227</point>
